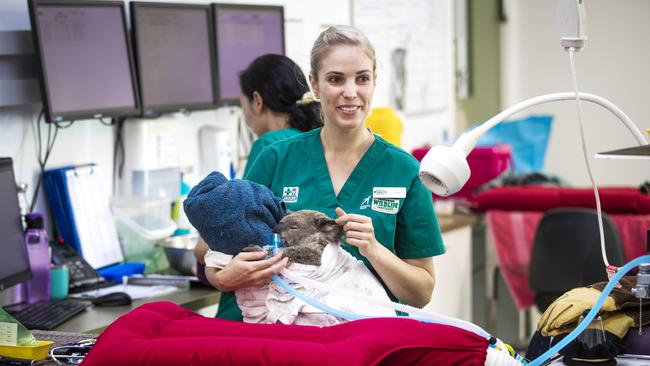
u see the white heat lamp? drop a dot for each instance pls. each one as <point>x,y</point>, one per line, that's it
<point>444,169</point>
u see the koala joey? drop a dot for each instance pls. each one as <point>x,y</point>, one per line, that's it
<point>305,234</point>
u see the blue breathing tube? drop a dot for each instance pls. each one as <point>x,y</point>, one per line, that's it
<point>592,313</point>
<point>273,248</point>
<point>277,243</point>
<point>317,304</point>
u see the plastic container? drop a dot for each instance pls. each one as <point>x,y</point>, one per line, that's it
<point>485,164</point>
<point>385,122</point>
<point>37,351</point>
<point>141,224</point>
<point>116,272</point>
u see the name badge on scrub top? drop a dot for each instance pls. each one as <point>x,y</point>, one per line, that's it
<point>389,192</point>
<point>386,199</point>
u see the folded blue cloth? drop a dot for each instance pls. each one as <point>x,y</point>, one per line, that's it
<point>232,214</point>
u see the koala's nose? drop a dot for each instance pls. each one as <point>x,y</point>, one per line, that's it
<point>278,228</point>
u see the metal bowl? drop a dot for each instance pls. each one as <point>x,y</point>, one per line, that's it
<point>180,253</point>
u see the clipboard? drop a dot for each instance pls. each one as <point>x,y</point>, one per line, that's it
<point>82,213</point>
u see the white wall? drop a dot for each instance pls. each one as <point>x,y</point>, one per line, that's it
<point>614,65</point>
<point>89,141</point>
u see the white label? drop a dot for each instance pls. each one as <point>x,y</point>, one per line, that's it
<point>8,334</point>
<point>389,192</point>
<point>385,205</point>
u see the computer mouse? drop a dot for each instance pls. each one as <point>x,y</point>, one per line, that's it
<point>113,299</point>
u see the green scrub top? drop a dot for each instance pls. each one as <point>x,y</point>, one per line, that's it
<point>383,186</point>
<point>266,140</point>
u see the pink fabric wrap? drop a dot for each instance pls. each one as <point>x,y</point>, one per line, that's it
<point>162,333</point>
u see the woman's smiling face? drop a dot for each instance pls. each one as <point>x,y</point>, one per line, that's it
<point>345,84</point>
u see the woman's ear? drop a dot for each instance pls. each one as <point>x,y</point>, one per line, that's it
<point>314,86</point>
<point>257,104</point>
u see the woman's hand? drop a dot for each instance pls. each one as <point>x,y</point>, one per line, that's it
<point>410,280</point>
<point>358,232</point>
<point>247,269</point>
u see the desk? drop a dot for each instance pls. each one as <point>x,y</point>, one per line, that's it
<point>456,231</point>
<point>452,295</point>
<point>620,361</point>
<point>95,319</point>
<point>449,223</point>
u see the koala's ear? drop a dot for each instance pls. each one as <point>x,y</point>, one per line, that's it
<point>331,229</point>
<point>325,223</point>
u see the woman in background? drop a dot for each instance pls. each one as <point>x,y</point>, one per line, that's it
<point>276,101</point>
<point>277,104</point>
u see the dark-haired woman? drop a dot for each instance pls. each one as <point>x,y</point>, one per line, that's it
<point>276,101</point>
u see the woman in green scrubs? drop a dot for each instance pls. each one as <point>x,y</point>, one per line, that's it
<point>370,186</point>
<point>277,104</point>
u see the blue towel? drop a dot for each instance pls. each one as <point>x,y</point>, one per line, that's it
<point>232,214</point>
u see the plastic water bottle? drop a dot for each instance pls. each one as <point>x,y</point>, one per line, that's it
<point>38,288</point>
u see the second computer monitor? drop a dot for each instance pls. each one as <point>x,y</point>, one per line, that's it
<point>244,32</point>
<point>175,56</point>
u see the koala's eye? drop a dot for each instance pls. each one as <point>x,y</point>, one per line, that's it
<point>293,228</point>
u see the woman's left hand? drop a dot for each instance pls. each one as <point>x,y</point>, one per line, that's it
<point>359,232</point>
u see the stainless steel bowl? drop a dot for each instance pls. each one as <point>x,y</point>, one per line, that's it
<point>180,253</point>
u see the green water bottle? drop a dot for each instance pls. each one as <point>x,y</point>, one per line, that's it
<point>183,226</point>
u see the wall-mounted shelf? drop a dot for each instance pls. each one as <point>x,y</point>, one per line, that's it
<point>635,152</point>
<point>18,72</point>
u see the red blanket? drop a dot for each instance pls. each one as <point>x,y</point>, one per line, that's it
<point>162,333</point>
<point>614,200</point>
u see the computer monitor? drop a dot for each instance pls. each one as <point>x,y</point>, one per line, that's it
<point>14,261</point>
<point>85,60</point>
<point>174,51</point>
<point>244,32</point>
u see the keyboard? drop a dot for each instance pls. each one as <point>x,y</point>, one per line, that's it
<point>62,338</point>
<point>48,315</point>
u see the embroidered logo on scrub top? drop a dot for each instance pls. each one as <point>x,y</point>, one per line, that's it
<point>290,194</point>
<point>365,204</point>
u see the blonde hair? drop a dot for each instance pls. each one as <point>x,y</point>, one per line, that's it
<point>337,35</point>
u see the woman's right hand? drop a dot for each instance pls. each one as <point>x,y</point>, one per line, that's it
<point>248,269</point>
